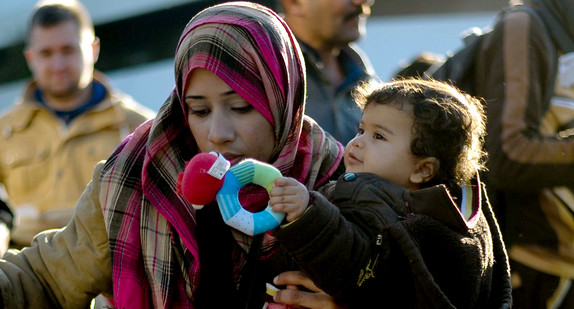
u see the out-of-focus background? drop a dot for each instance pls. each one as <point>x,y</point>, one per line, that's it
<point>138,38</point>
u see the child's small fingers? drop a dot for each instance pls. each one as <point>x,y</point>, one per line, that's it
<point>276,199</point>
<point>279,191</point>
<point>278,207</point>
<point>275,191</point>
<point>280,181</point>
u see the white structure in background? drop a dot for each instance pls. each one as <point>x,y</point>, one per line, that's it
<point>390,41</point>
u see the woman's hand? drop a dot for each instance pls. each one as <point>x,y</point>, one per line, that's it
<point>292,295</point>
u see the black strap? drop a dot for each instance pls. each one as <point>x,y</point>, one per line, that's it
<point>249,276</point>
<point>216,245</point>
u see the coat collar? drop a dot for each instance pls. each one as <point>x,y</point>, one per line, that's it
<point>441,204</point>
<point>26,107</point>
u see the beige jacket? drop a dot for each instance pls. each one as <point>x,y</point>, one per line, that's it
<point>70,266</point>
<point>45,165</point>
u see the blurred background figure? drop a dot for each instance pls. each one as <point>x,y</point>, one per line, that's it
<point>6,220</point>
<point>417,66</point>
<point>138,37</point>
<point>327,31</point>
<point>525,73</point>
<point>66,120</point>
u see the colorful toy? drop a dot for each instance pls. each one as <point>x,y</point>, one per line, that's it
<point>208,176</point>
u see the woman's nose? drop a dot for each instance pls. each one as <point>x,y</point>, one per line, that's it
<point>221,128</point>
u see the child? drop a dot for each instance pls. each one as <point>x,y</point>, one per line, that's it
<point>412,227</point>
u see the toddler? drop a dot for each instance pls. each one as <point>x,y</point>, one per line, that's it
<point>408,225</point>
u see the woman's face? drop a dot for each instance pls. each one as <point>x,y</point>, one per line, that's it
<point>222,121</point>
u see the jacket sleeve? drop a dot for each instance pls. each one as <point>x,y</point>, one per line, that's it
<point>6,215</point>
<point>62,268</point>
<point>516,64</point>
<point>325,257</point>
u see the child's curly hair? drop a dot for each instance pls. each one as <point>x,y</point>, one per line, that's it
<point>447,124</point>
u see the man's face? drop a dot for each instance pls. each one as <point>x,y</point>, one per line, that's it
<point>61,62</point>
<point>336,22</point>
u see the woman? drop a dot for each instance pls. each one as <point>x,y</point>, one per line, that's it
<point>240,91</point>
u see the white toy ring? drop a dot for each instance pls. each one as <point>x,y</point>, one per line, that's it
<point>248,171</point>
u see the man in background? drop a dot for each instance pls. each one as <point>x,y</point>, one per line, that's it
<point>525,73</point>
<point>66,120</point>
<point>327,30</point>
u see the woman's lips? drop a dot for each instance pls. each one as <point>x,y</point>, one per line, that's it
<point>232,157</point>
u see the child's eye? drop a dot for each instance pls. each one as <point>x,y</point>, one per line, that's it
<point>379,136</point>
<point>360,131</point>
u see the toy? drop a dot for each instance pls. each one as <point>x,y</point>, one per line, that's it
<point>208,176</point>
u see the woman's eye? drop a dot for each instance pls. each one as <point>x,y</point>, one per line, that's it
<point>243,108</point>
<point>198,111</point>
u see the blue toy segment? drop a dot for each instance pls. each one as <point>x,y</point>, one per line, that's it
<point>231,184</point>
<point>243,171</point>
<point>264,221</point>
<point>248,171</point>
<point>242,221</point>
<point>228,205</point>
<point>278,216</point>
<point>227,197</point>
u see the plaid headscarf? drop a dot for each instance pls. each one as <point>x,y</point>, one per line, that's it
<point>151,228</point>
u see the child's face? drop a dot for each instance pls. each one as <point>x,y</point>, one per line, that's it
<point>382,145</point>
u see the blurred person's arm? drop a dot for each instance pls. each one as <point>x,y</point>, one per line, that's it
<point>6,221</point>
<point>515,77</point>
<point>62,268</point>
<point>4,237</point>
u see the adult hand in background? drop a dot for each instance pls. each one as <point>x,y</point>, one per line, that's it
<point>313,298</point>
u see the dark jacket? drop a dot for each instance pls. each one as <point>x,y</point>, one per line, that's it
<point>404,249</point>
<point>531,154</point>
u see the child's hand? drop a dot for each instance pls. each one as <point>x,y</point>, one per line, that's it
<point>289,196</point>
